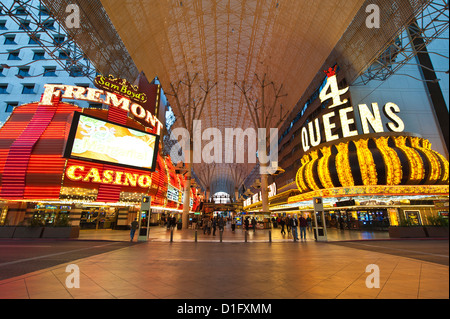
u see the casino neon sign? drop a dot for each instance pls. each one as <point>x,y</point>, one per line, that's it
<point>369,117</point>
<point>79,173</point>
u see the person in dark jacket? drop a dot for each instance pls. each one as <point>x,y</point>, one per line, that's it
<point>254,224</point>
<point>214,225</point>
<point>294,225</point>
<point>303,223</point>
<point>282,223</point>
<point>134,227</point>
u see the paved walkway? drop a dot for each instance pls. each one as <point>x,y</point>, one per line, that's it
<point>161,234</point>
<point>186,270</point>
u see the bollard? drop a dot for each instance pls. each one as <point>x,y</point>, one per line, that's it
<point>270,236</point>
<point>196,235</point>
<point>171,235</point>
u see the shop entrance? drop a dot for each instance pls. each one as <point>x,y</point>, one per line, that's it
<point>364,219</point>
<point>50,214</point>
<point>96,217</point>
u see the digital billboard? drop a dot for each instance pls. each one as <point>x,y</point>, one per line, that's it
<point>97,140</point>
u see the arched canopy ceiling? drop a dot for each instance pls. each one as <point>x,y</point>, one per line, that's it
<point>229,42</point>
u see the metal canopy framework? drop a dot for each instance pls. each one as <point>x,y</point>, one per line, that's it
<point>96,36</point>
<point>34,19</point>
<point>231,41</point>
<point>430,24</point>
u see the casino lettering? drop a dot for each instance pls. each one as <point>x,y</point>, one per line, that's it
<point>79,173</point>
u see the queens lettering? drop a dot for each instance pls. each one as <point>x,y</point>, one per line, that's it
<point>342,122</point>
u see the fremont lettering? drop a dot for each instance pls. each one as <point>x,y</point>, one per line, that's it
<point>94,95</point>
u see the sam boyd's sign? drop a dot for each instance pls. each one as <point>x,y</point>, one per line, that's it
<point>121,87</point>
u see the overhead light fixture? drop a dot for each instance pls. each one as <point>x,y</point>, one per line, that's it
<point>257,184</point>
<point>248,193</point>
<point>278,171</point>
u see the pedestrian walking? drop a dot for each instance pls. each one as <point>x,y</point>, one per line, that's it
<point>205,225</point>
<point>134,227</point>
<point>254,224</point>
<point>294,225</point>
<point>309,222</point>
<point>221,224</point>
<point>282,224</point>
<point>303,223</point>
<point>246,223</point>
<point>288,225</point>
<point>233,224</point>
<point>214,225</point>
<point>208,227</point>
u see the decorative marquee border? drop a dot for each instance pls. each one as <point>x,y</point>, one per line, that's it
<point>373,190</point>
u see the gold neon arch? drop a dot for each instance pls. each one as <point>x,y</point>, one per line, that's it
<point>391,160</point>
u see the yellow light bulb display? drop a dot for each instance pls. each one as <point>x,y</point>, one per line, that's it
<point>343,165</point>
<point>417,171</point>
<point>366,162</point>
<point>322,169</point>
<point>316,163</point>
<point>393,166</point>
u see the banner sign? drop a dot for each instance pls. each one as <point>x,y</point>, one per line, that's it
<point>121,87</point>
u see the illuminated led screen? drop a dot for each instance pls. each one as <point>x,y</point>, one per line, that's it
<point>101,141</point>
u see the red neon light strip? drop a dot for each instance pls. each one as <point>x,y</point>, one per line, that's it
<point>15,169</point>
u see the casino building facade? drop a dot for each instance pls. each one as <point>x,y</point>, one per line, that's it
<point>365,160</point>
<point>92,165</point>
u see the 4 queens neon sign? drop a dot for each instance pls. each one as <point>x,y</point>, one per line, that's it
<point>369,117</point>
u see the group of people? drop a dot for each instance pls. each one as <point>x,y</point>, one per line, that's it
<point>247,223</point>
<point>292,223</point>
<point>212,224</point>
<point>171,222</point>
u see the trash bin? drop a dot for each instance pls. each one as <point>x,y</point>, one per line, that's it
<point>319,231</point>
<point>320,234</point>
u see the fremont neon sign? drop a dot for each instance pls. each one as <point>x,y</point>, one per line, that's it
<point>78,173</point>
<point>95,95</point>
<point>370,117</point>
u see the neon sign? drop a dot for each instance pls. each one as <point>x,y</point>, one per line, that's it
<point>121,87</point>
<point>78,173</point>
<point>94,95</point>
<point>325,128</point>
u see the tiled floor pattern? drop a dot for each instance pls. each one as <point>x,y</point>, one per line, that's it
<point>162,234</point>
<point>235,270</point>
